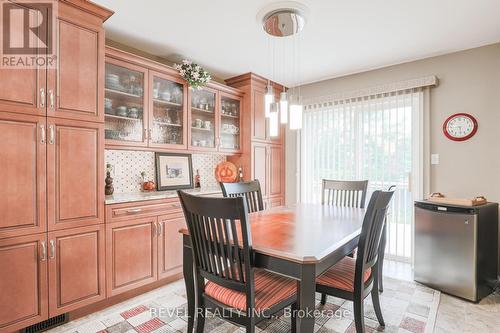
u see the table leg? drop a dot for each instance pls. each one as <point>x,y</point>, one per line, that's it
<point>306,299</point>
<point>187,268</point>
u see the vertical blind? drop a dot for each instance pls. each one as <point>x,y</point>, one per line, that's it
<point>364,138</point>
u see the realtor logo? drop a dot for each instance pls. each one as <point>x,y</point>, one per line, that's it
<point>27,34</point>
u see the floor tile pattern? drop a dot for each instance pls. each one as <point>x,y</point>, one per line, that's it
<point>407,307</point>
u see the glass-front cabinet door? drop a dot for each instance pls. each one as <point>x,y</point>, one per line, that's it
<point>203,119</point>
<point>125,105</point>
<point>230,123</point>
<point>168,113</point>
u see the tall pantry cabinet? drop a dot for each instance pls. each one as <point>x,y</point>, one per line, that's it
<point>51,153</point>
<point>263,156</point>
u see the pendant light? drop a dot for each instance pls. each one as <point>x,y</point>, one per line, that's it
<point>268,99</point>
<point>283,107</point>
<point>283,19</point>
<point>274,124</point>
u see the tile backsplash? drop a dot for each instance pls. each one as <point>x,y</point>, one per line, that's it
<point>129,164</point>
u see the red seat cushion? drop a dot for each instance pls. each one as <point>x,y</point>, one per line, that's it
<point>341,275</point>
<point>270,289</point>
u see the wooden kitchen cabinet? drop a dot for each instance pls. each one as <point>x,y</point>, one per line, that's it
<point>23,156</point>
<point>131,254</point>
<point>23,282</point>
<point>21,89</point>
<point>262,156</point>
<point>75,86</point>
<point>75,169</point>
<point>76,260</point>
<point>170,245</point>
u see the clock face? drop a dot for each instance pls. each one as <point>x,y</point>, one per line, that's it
<point>460,127</point>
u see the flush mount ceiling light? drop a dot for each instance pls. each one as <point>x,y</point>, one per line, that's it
<point>283,21</point>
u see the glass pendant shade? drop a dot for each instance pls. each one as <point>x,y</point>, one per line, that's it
<point>295,116</point>
<point>283,108</point>
<point>268,100</point>
<point>274,121</point>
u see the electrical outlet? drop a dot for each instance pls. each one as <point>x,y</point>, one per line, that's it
<point>435,159</point>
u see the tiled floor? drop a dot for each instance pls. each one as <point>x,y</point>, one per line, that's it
<point>454,314</point>
<point>407,307</point>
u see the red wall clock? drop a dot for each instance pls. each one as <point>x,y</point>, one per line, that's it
<point>460,127</point>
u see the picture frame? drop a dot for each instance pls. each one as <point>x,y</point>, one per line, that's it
<point>173,171</point>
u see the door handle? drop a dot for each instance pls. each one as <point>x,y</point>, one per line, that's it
<point>44,251</point>
<point>51,134</point>
<point>42,97</point>
<point>52,249</point>
<point>160,228</point>
<point>135,210</point>
<point>51,98</point>
<point>42,133</point>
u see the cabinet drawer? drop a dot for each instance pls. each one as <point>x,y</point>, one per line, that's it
<point>124,211</point>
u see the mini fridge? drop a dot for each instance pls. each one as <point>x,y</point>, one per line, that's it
<point>456,248</point>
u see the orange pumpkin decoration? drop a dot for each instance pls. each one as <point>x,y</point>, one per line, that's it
<point>226,172</point>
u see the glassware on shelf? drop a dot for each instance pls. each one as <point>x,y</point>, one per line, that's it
<point>203,118</point>
<point>230,123</point>
<point>123,104</point>
<point>168,103</point>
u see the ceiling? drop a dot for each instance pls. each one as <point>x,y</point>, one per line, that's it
<point>340,37</point>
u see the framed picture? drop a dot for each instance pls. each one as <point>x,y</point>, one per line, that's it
<point>173,171</point>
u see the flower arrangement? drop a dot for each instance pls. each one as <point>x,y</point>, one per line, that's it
<point>193,73</point>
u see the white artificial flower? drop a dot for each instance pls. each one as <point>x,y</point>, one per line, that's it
<point>196,75</point>
<point>182,72</point>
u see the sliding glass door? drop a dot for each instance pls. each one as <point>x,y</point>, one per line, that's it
<point>371,138</point>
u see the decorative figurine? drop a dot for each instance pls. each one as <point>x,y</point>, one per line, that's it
<point>108,189</point>
<point>197,183</point>
<point>240,173</point>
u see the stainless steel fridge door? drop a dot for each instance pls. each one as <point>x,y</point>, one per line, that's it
<point>445,251</point>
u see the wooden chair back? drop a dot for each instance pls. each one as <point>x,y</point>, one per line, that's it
<point>250,191</point>
<point>344,193</point>
<point>221,241</point>
<point>371,232</point>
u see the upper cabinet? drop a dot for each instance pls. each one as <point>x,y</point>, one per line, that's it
<point>149,106</point>
<point>204,119</point>
<point>124,103</point>
<point>230,123</point>
<point>168,116</point>
<point>72,87</point>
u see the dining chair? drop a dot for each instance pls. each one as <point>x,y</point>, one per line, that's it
<point>355,278</point>
<point>222,250</point>
<point>249,190</point>
<point>345,193</point>
<point>383,242</point>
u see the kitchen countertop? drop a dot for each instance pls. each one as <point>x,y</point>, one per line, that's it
<point>154,195</point>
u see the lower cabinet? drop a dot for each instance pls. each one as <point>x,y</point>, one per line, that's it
<point>140,248</point>
<point>170,246</point>
<point>131,250</point>
<point>50,274</point>
<point>76,268</point>
<point>23,282</point>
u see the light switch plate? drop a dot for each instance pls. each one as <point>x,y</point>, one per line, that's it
<point>435,159</point>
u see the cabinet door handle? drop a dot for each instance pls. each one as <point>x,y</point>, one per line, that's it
<point>149,134</point>
<point>44,251</point>
<point>51,134</point>
<point>42,134</point>
<point>42,97</point>
<point>52,249</point>
<point>51,98</point>
<point>134,210</point>
<point>145,133</point>
<point>160,228</point>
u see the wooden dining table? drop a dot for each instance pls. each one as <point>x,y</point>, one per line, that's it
<point>300,241</point>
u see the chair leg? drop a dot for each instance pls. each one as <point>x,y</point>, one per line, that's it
<point>359,315</point>
<point>376,306</point>
<point>250,327</point>
<point>380,277</point>
<point>323,299</point>
<point>294,318</point>
<point>200,321</point>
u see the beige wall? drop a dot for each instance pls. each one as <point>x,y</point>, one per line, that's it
<point>469,82</point>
